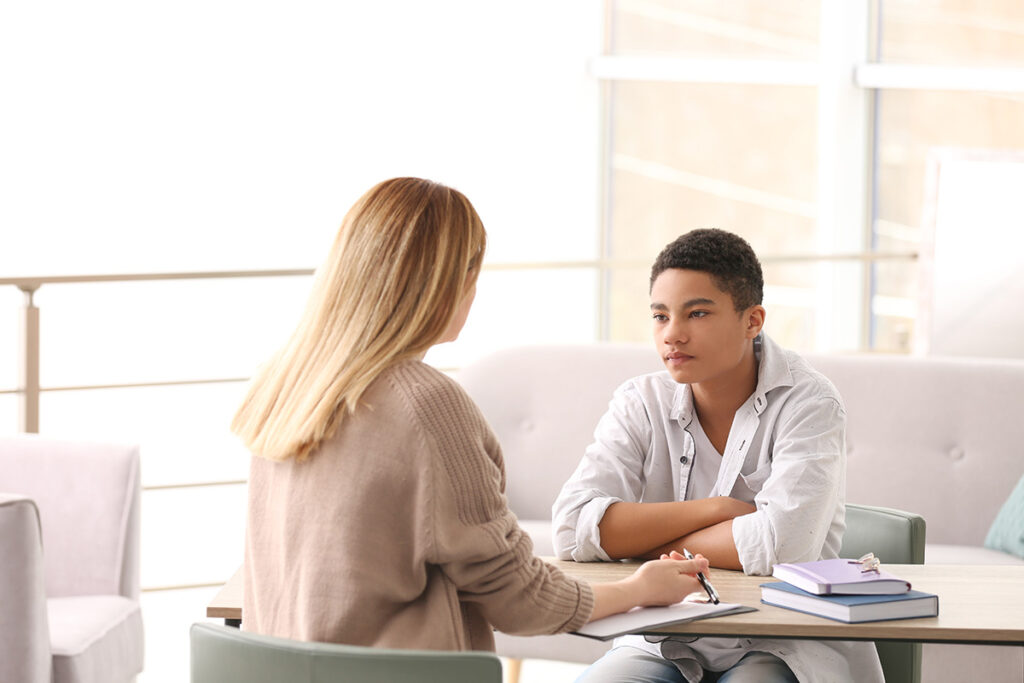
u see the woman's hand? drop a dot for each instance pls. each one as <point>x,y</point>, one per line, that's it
<point>668,580</point>
<point>659,582</point>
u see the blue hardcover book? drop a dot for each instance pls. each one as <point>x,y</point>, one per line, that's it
<point>852,608</point>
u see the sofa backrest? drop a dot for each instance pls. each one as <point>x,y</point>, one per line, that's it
<point>543,403</point>
<point>939,437</point>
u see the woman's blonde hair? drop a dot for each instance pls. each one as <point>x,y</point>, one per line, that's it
<point>405,256</point>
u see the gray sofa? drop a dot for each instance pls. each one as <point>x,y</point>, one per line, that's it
<point>938,437</point>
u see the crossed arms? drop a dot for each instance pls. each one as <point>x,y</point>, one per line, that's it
<point>798,481</point>
<point>649,529</point>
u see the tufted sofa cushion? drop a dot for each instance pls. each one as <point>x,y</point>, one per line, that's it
<point>935,436</point>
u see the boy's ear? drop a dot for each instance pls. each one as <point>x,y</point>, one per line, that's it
<point>754,317</point>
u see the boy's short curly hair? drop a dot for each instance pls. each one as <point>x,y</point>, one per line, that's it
<point>727,258</point>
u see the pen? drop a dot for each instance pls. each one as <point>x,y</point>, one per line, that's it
<point>712,594</point>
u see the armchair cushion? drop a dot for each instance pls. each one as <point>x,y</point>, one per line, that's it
<point>95,638</point>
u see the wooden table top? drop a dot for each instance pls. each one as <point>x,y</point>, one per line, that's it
<point>977,604</point>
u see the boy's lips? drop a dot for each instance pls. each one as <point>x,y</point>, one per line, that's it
<point>677,357</point>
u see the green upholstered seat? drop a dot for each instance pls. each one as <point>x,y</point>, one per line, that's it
<point>222,654</point>
<point>895,537</point>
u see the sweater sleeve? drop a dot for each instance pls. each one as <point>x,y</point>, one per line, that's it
<point>471,534</point>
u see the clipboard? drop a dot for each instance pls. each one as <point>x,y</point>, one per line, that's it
<point>642,619</point>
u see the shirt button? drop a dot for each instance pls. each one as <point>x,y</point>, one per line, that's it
<point>683,459</point>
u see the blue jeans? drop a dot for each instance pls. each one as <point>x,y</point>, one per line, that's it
<point>632,665</point>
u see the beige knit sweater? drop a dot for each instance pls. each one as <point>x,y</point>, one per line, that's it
<point>396,532</point>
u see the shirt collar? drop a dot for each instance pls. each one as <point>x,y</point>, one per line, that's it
<point>682,405</point>
<point>772,372</point>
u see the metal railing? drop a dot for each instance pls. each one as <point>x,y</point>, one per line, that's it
<point>29,388</point>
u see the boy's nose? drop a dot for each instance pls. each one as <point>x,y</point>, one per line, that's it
<point>674,332</point>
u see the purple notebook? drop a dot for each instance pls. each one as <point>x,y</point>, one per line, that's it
<point>839,576</point>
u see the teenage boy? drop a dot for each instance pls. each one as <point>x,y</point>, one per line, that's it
<point>737,452</point>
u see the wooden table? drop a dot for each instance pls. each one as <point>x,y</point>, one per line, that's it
<point>980,604</point>
<point>227,603</point>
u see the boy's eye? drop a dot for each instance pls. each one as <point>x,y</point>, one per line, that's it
<point>698,314</point>
<point>660,317</point>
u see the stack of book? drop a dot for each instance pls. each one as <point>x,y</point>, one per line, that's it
<point>840,589</point>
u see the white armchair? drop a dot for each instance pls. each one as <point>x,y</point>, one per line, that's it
<point>69,575</point>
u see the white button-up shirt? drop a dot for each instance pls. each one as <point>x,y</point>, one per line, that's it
<point>786,453</point>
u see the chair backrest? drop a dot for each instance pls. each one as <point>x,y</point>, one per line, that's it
<point>543,403</point>
<point>88,500</point>
<point>222,653</point>
<point>895,537</point>
<point>24,631</point>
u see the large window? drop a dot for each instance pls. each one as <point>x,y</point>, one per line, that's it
<point>812,129</point>
<point>693,155</point>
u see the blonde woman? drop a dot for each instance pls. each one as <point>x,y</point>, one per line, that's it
<point>376,513</point>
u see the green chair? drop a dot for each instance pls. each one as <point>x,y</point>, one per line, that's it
<point>895,537</point>
<point>222,654</point>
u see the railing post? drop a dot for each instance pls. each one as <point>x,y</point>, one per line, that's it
<point>29,404</point>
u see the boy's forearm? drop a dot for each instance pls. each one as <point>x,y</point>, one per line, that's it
<point>714,542</point>
<point>638,529</point>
